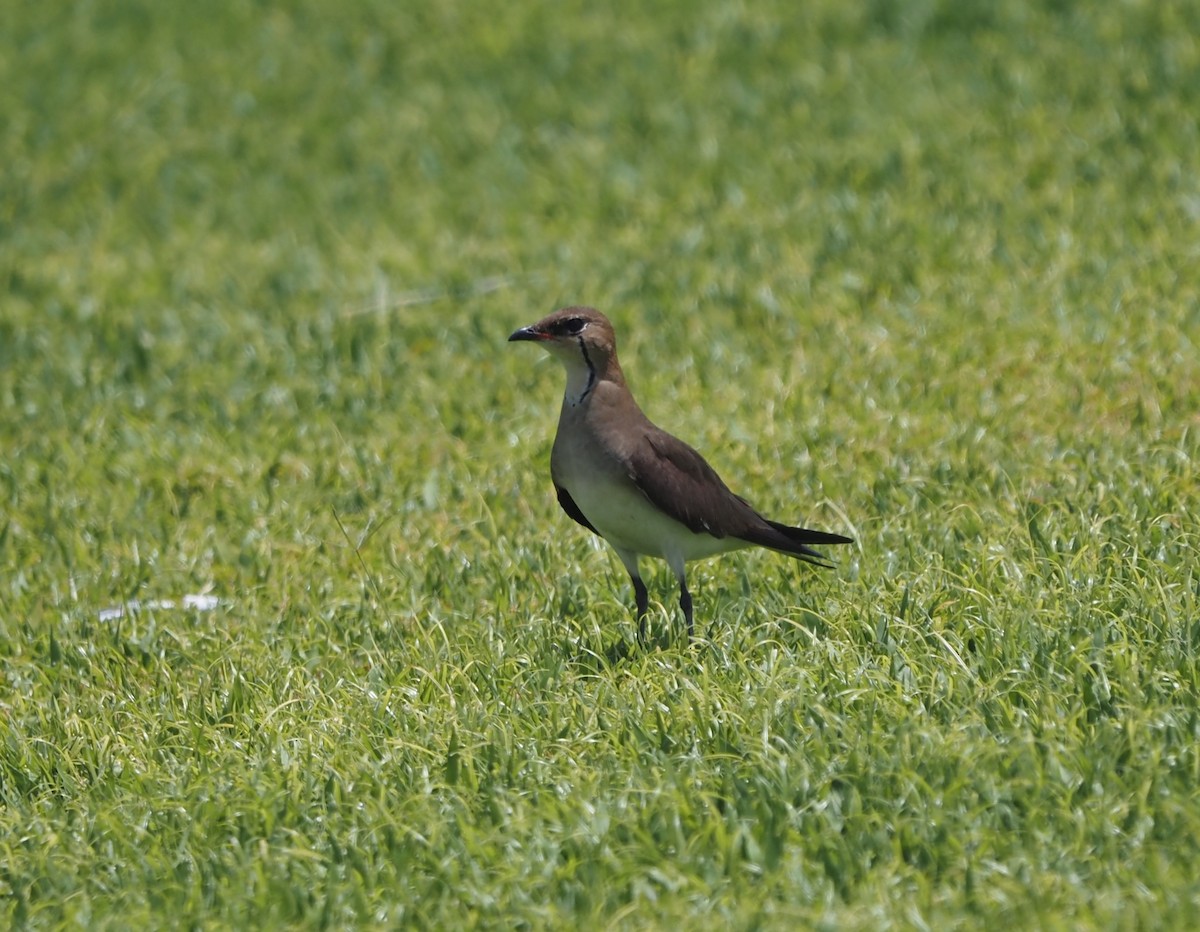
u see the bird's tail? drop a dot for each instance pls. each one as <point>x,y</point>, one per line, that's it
<point>794,540</point>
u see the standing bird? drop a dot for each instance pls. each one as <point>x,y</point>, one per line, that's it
<point>645,492</point>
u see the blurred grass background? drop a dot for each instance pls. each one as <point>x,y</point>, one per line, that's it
<point>924,273</point>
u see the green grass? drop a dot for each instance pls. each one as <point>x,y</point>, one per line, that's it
<point>924,273</point>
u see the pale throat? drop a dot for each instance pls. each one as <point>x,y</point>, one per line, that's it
<point>581,375</point>
<point>581,378</point>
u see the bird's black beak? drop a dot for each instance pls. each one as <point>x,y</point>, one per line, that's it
<point>526,333</point>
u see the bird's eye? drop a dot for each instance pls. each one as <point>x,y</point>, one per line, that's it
<point>574,325</point>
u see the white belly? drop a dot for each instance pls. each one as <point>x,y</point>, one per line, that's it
<point>627,520</point>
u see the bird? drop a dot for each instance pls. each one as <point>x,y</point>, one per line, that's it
<point>647,493</point>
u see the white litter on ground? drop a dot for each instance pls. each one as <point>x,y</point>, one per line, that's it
<point>195,603</point>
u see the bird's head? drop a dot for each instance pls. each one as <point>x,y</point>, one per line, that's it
<point>579,337</point>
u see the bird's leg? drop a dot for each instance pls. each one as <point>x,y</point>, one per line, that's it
<point>643,605</point>
<point>685,602</point>
<point>630,560</point>
<point>675,561</point>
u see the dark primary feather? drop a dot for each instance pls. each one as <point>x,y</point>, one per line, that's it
<point>572,510</point>
<point>793,540</point>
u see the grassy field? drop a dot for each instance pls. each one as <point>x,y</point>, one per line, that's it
<point>924,273</point>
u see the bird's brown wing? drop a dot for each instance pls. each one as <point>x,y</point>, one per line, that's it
<point>679,482</point>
